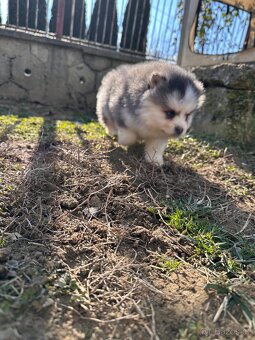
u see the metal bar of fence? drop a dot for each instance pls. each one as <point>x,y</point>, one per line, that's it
<point>105,20</point>
<point>242,39</point>
<point>60,18</point>
<point>134,25</point>
<point>17,13</point>
<point>47,18</point>
<point>27,11</point>
<point>140,28</point>
<point>36,14</point>
<point>72,18</point>
<point>98,15</point>
<point>128,15</point>
<point>82,19</point>
<point>7,20</point>
<point>112,25</point>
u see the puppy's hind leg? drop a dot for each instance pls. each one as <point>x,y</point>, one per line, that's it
<point>154,149</point>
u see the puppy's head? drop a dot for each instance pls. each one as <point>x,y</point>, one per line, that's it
<point>171,101</point>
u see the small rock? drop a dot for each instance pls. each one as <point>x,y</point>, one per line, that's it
<point>91,212</point>
<point>13,264</point>
<point>3,273</point>
<point>48,302</point>
<point>11,274</point>
<point>69,203</point>
<point>37,254</point>
<point>4,255</point>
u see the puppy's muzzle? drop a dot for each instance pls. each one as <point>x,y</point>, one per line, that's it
<point>178,130</point>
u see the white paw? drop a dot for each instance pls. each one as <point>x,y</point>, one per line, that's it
<point>126,137</point>
<point>156,160</point>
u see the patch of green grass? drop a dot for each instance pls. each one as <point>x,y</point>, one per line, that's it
<point>94,130</point>
<point>226,254</point>
<point>199,153</point>
<point>7,121</point>
<point>224,251</point>
<point>190,147</point>
<point>77,132</point>
<point>169,265</point>
<point>209,240</point>
<point>28,129</point>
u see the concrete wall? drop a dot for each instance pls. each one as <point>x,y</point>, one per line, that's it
<point>51,72</point>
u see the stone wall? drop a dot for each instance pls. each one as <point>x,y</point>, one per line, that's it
<point>229,111</point>
<point>51,72</point>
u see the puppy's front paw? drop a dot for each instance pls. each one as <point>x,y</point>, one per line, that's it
<point>126,137</point>
<point>156,160</point>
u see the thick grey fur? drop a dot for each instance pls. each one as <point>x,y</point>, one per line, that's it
<point>123,88</point>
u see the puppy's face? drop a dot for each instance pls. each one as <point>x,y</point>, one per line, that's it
<point>170,103</point>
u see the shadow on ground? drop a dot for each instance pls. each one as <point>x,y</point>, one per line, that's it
<point>87,253</point>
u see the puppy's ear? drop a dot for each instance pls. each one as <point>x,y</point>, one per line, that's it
<point>201,91</point>
<point>156,79</point>
<point>199,85</point>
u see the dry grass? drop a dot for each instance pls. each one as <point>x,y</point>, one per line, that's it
<point>92,253</point>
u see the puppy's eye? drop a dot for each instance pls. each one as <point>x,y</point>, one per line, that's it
<point>170,114</point>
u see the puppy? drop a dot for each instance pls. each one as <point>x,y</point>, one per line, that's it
<point>150,101</point>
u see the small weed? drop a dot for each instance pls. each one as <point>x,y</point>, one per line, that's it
<point>69,286</point>
<point>193,331</point>
<point>3,242</point>
<point>169,265</point>
<point>30,294</point>
<point>5,307</point>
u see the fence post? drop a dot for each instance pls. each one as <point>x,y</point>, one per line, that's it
<point>60,18</point>
<point>186,45</point>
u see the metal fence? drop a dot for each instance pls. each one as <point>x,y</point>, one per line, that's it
<point>149,28</point>
<point>220,28</point>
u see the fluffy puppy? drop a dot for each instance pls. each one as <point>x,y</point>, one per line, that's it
<point>151,101</point>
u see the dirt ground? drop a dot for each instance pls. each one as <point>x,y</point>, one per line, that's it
<point>89,248</point>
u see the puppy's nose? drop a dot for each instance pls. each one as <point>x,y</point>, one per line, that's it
<point>178,130</point>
